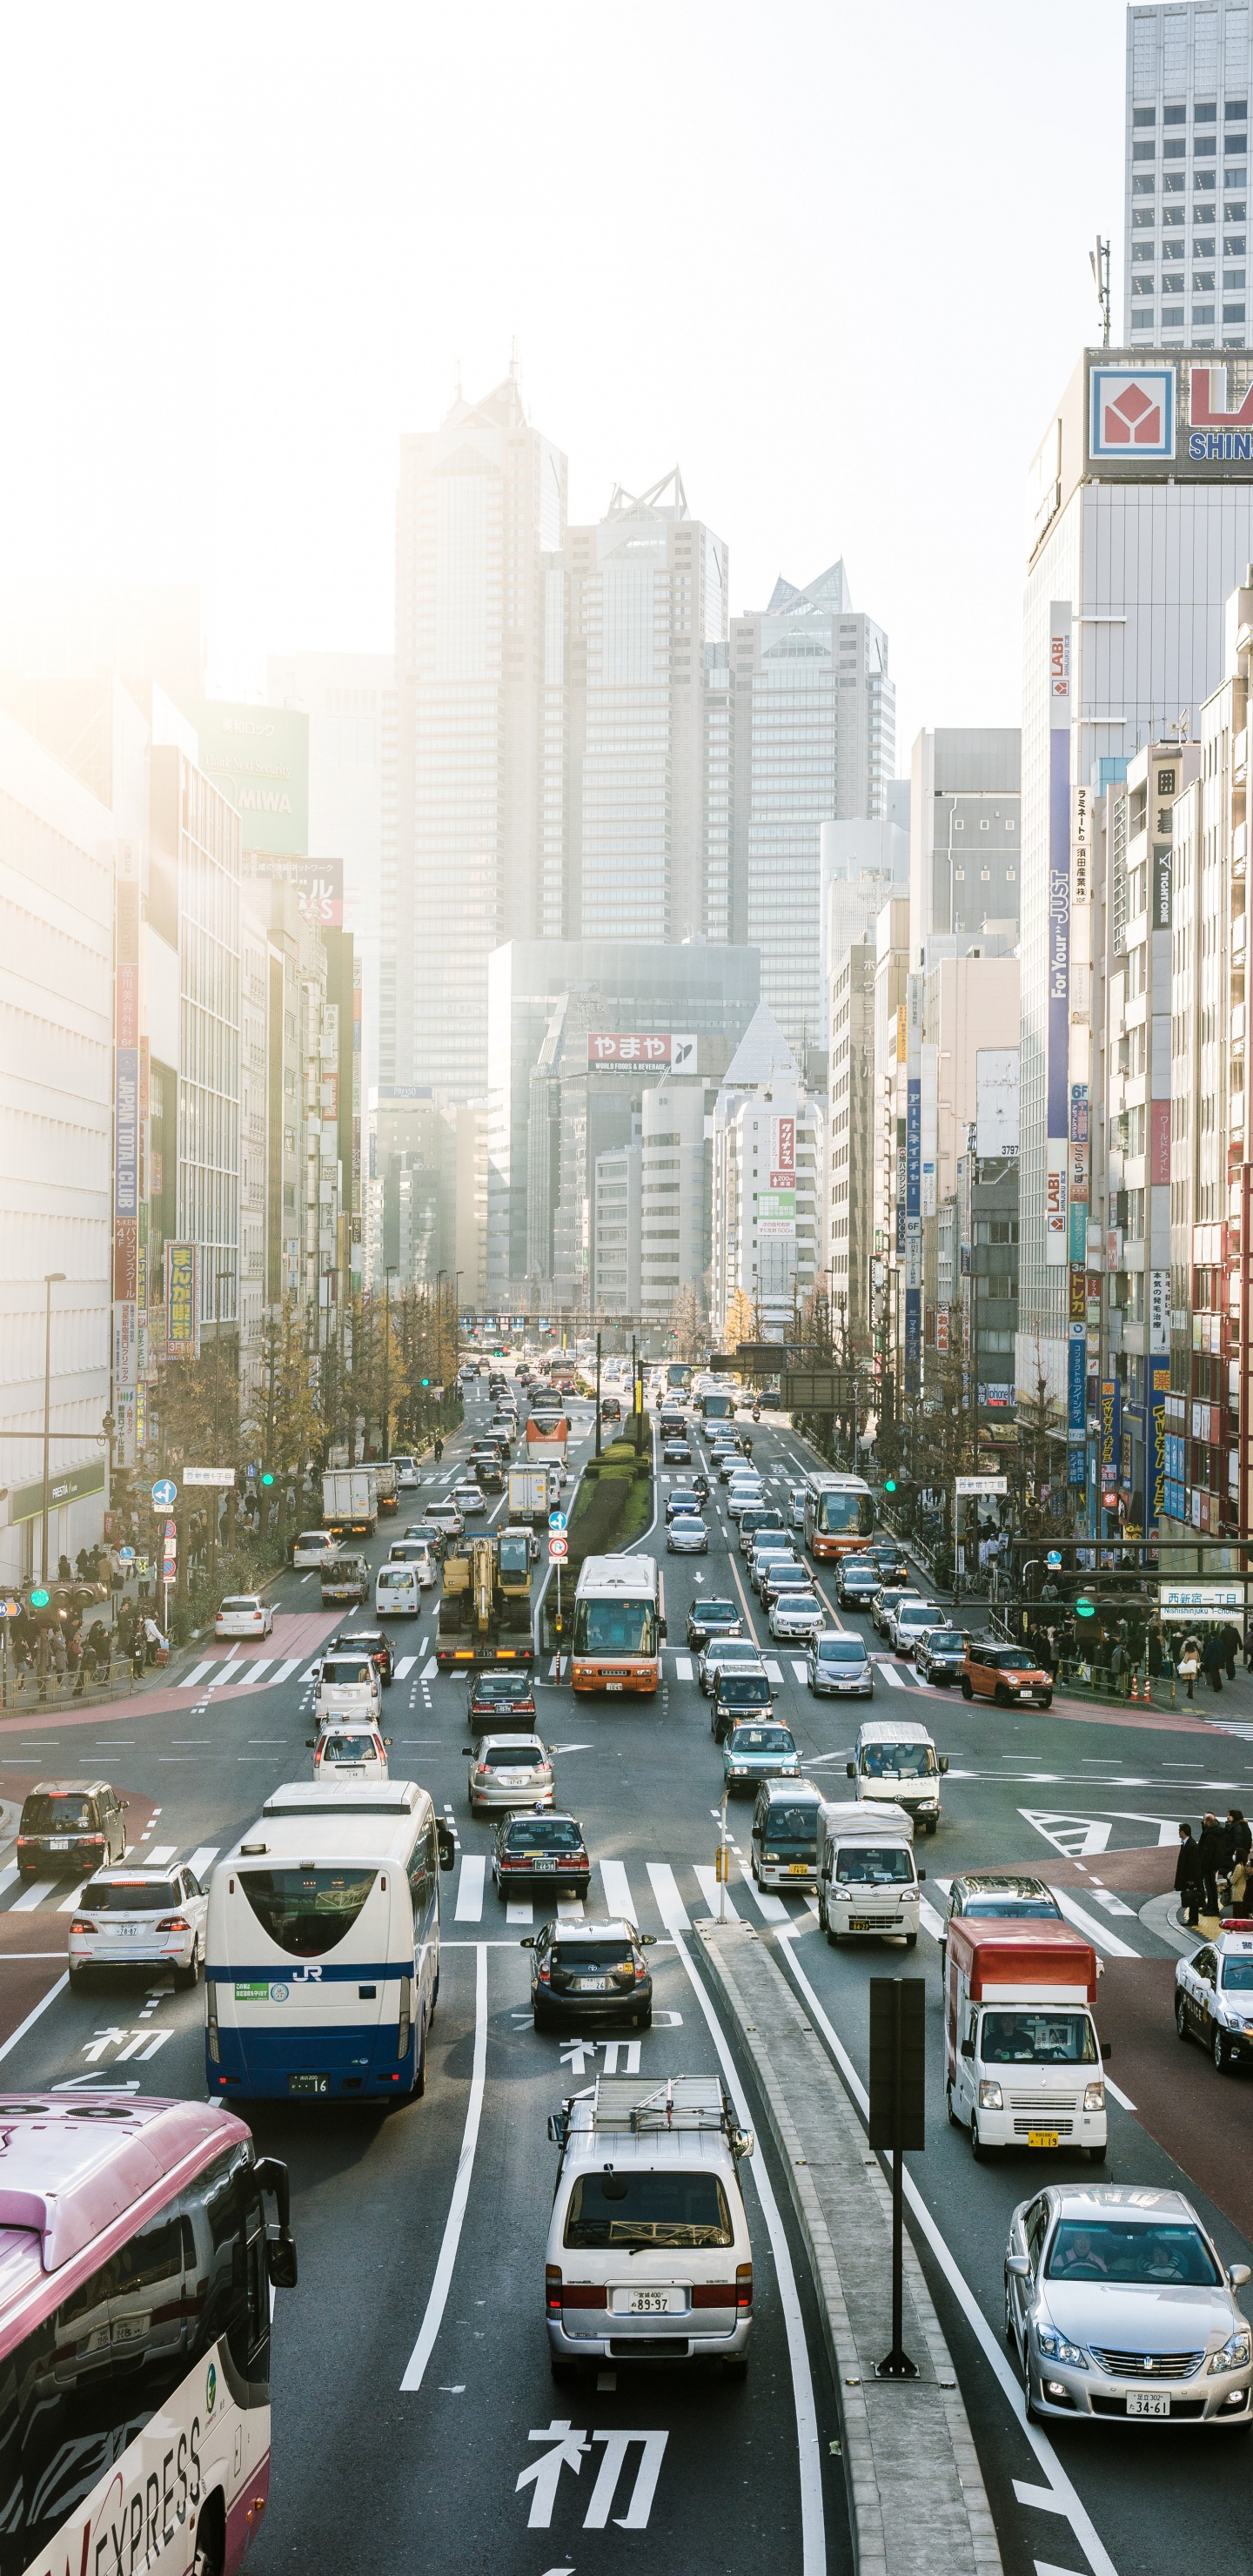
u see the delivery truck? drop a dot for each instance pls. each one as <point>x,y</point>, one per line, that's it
<point>867,1876</point>
<point>387,1484</point>
<point>1023,2063</point>
<point>531,1494</point>
<point>350,1501</point>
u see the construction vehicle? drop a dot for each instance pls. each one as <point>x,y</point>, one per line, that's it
<point>485,1606</point>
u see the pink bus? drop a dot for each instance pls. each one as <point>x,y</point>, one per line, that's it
<point>135,2273</point>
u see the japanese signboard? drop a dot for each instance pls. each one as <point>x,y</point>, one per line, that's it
<point>180,1300</point>
<point>611,1047</point>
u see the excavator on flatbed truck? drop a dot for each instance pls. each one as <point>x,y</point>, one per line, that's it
<point>485,1606</point>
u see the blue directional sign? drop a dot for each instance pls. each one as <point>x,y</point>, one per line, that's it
<point>557,1520</point>
<point>165,1494</point>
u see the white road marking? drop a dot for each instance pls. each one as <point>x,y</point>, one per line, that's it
<point>260,1664</point>
<point>34,1895</point>
<point>707,1882</point>
<point>931,1921</point>
<point>429,1670</point>
<point>8,1875</point>
<point>203,1857</point>
<point>405,1665</point>
<point>891,1673</point>
<point>159,1854</point>
<point>442,2282</point>
<point>617,1886</point>
<point>69,1904</point>
<point>518,1911</point>
<point>774,1670</point>
<point>801,1670</point>
<point>1075,1837</point>
<point>670,1904</point>
<point>1111,1904</point>
<point>683,1668</point>
<point>33,2015</point>
<point>772,1907</point>
<point>1098,1933</point>
<point>190,1680</point>
<point>470,1889</point>
<point>284,1671</point>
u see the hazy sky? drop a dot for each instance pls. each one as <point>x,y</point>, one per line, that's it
<point>832,259</point>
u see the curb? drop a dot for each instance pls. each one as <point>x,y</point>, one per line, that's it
<point>917,2501</point>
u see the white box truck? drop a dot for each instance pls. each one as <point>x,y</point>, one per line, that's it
<point>350,1501</point>
<point>867,1877</point>
<point>1022,2061</point>
<point>528,1494</point>
<point>387,1484</point>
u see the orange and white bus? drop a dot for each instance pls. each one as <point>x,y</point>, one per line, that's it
<point>839,1514</point>
<point>547,1435</point>
<point>135,2334</point>
<point>619,1624</point>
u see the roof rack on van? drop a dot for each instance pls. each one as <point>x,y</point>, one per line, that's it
<point>681,2105</point>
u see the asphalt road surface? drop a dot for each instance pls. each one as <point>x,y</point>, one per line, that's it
<point>403,2279</point>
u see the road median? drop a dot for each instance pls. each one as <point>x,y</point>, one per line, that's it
<point>916,2493</point>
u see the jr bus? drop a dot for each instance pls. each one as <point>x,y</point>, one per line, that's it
<point>839,1514</point>
<point>134,2334</point>
<point>619,1624</point>
<point>323,1943</point>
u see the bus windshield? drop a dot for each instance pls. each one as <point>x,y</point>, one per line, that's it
<point>844,1515</point>
<point>615,1628</point>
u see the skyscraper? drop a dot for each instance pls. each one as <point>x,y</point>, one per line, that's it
<point>1186,236</point>
<point>482,500</point>
<point>813,739</point>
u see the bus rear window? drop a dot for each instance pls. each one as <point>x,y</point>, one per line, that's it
<point>306,1911</point>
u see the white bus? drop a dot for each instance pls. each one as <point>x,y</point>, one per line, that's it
<point>135,2334</point>
<point>323,1945</point>
<point>619,1624</point>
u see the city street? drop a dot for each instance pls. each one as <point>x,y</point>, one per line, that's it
<point>417,2329</point>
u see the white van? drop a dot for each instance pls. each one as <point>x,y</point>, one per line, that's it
<point>311,1547</point>
<point>397,1592</point>
<point>323,1945</point>
<point>867,1878</point>
<point>349,1749</point>
<point>649,2257</point>
<point>347,1686</point>
<point>895,1761</point>
<point>406,1474</point>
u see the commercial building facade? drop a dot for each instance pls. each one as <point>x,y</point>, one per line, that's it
<point>965,858</point>
<point>768,1186</point>
<point>1185,277</point>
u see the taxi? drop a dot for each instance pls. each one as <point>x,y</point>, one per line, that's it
<point>1006,1674</point>
<point>1214,1996</point>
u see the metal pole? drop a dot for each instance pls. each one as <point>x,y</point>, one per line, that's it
<point>722,1864</point>
<point>51,1278</point>
<point>598,1395</point>
<point>898,2364</point>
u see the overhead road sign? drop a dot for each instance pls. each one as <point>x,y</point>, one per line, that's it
<point>208,1475</point>
<point>982,1485</point>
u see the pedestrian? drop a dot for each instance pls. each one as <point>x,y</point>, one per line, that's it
<point>153,1640</point>
<point>1153,1650</point>
<point>1239,1838</point>
<point>1188,1876</point>
<point>1248,1648</point>
<point>1189,1662</point>
<point>81,1565</point>
<point>1212,1855</point>
<point>86,1671</point>
<point>1231,1648</point>
<point>137,1653</point>
<point>1214,1656</point>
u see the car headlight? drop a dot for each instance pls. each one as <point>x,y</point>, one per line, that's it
<point>1234,2354</point>
<point>990,2098</point>
<point>1054,2347</point>
<point>1094,2097</point>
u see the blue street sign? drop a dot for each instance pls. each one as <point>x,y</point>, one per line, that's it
<point>165,1493</point>
<point>126,1555</point>
<point>557,1520</point>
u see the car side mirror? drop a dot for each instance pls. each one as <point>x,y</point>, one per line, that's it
<point>944,1762</point>
<point>968,2048</point>
<point>922,1873</point>
<point>527,1942</point>
<point>310,1741</point>
<point>280,2258</point>
<point>648,1940</point>
<point>1238,2274</point>
<point>389,1739</point>
<point>1107,2049</point>
<point>467,1748</point>
<point>447,1841</point>
<point>1018,2267</point>
<point>850,1770</point>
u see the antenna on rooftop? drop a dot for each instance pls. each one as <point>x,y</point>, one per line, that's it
<point>1098,261</point>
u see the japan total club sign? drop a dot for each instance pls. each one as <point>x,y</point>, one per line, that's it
<point>1132,413</point>
<point>677,1054</point>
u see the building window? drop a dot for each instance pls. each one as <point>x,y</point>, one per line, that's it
<point>1143,252</point>
<point>1144,184</point>
<point>1143,151</point>
<point>1172,320</point>
<point>1203,283</point>
<point>1139,286</point>
<point>1202,312</point>
<point>1206,113</point>
<point>1231,313</point>
<point>1234,245</point>
<point>1144,116</point>
<point>1175,146</point>
<point>1173,284</point>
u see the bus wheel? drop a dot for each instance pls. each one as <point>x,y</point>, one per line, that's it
<point>210,2553</point>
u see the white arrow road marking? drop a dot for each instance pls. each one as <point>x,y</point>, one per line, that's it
<point>616,2447</point>
<point>1075,1837</point>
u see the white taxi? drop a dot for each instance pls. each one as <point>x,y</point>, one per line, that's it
<point>349,1752</point>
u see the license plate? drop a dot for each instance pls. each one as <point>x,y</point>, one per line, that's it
<point>1043,2137</point>
<point>592,1985</point>
<point>863,1923</point>
<point>1148,2401</point>
<point>308,2083</point>
<point>800,1869</point>
<point>1026,1694</point>
<point>58,1842</point>
<point>544,1864</point>
<point>613,1686</point>
<point>662,2302</point>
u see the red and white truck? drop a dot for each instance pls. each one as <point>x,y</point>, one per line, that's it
<point>1023,2063</point>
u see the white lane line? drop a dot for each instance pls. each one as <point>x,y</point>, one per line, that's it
<point>774,1670</point>
<point>201,1859</point>
<point>683,1668</point>
<point>429,1670</point>
<point>1069,2501</point>
<point>772,1907</point>
<point>40,2007</point>
<point>707,1882</point>
<point>442,2282</point>
<point>809,2465</point>
<point>1099,1933</point>
<point>518,1911</point>
<point>617,1886</point>
<point>1109,1903</point>
<point>34,1895</point>
<point>470,1889</point>
<point>670,1904</point>
<point>405,1665</point>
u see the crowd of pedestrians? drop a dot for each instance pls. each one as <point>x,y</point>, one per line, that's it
<point>1212,1862</point>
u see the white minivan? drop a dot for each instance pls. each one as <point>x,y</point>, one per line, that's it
<point>867,1878</point>
<point>896,1762</point>
<point>312,1547</point>
<point>397,1593</point>
<point>347,1686</point>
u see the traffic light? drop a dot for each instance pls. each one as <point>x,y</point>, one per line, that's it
<point>39,1600</point>
<point>266,1477</point>
<point>426,1381</point>
<point>1085,1610</point>
<point>889,1484</point>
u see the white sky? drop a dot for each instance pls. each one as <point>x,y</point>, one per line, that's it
<point>832,259</point>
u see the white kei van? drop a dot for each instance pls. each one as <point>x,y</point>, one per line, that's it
<point>397,1592</point>
<point>867,1877</point>
<point>896,1763</point>
<point>649,2257</point>
<point>347,1687</point>
<point>312,1547</point>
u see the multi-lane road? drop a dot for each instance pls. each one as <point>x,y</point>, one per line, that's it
<point>412,2394</point>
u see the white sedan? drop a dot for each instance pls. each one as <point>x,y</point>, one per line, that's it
<point>244,1614</point>
<point>139,1918</point>
<point>910,1620</point>
<point>796,1614</point>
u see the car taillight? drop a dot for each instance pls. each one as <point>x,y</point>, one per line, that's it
<point>174,1923</point>
<point>640,1969</point>
<point>743,2288</point>
<point>481,1770</point>
<point>545,1973</point>
<point>552,2289</point>
<point>81,1924</point>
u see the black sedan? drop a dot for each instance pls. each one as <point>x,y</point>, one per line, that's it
<point>706,1619</point>
<point>590,1972</point>
<point>676,1453</point>
<point>541,1851</point>
<point>890,1560</point>
<point>501,1699</point>
<point>857,1582</point>
<point>373,1642</point>
<point>940,1654</point>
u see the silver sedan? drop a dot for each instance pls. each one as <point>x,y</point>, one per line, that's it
<point>1122,2309</point>
<point>509,1771</point>
<point>687,1536</point>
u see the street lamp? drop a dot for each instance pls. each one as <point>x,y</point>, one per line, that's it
<point>52,1279</point>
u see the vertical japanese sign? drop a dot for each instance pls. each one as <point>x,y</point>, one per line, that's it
<point>913,1182</point>
<point>180,1301</point>
<point>1159,1382</point>
<point>126,1152</point>
<point>1077,1402</point>
<point>1111,1429</point>
<point>1159,1310</point>
<point>1057,1105</point>
<point>1079,1182</point>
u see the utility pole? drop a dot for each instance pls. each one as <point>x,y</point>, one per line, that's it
<point>52,1279</point>
<point>598,1395</point>
<point>1098,261</point>
<point>388,1275</point>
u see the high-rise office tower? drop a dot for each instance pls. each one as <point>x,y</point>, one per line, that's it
<point>1186,236</point>
<point>635,656</point>
<point>482,501</point>
<point>350,701</point>
<point>813,739</point>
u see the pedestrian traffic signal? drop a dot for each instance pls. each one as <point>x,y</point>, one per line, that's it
<point>426,1381</point>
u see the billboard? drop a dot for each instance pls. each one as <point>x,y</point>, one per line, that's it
<point>996,1101</point>
<point>611,1047</point>
<point>1171,415</point>
<point>1057,1089</point>
<point>319,885</point>
<point>259,758</point>
<point>180,1301</point>
<point>1131,413</point>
